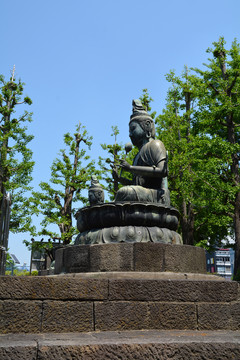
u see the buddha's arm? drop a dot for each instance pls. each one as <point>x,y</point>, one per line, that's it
<point>125,181</point>
<point>152,171</point>
<point>120,178</point>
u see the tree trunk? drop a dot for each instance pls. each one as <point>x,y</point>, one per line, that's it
<point>3,154</point>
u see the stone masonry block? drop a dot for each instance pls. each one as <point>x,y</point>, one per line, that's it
<point>235,315</point>
<point>169,257</point>
<point>172,290</point>
<point>19,352</point>
<point>150,351</point>
<point>216,291</point>
<point>52,287</point>
<point>59,266</point>
<point>76,259</point>
<point>20,316</point>
<point>149,257</point>
<point>114,316</point>
<point>214,316</point>
<point>111,257</point>
<point>169,316</point>
<point>67,316</point>
<point>185,259</point>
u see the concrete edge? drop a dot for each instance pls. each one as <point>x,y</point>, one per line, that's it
<point>120,337</point>
<point>142,275</point>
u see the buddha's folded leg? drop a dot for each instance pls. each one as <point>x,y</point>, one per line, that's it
<point>139,193</point>
<point>135,193</point>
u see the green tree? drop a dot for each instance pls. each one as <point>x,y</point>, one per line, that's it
<point>146,101</point>
<point>69,175</point>
<point>219,118</point>
<point>174,128</point>
<point>109,166</point>
<point>196,188</point>
<point>16,163</point>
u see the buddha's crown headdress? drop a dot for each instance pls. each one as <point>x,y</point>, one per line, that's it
<point>138,112</point>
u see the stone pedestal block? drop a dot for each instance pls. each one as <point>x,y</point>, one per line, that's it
<point>147,257</point>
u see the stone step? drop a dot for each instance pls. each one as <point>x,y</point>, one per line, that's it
<point>137,345</point>
<point>116,302</point>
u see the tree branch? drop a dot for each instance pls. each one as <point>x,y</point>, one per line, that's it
<point>216,91</point>
<point>232,85</point>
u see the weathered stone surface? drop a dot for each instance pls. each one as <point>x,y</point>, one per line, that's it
<point>52,287</point>
<point>18,353</point>
<point>82,303</point>
<point>235,315</point>
<point>121,316</point>
<point>151,344</point>
<point>59,265</point>
<point>76,261</point>
<point>142,275</point>
<point>144,351</point>
<point>18,346</point>
<point>185,258</point>
<point>20,316</point>
<point>67,316</point>
<point>214,316</point>
<point>111,257</point>
<point>148,257</point>
<point>172,290</point>
<point>172,316</point>
<point>145,256</point>
<point>165,257</point>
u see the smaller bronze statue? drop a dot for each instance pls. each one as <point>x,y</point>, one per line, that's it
<point>95,192</point>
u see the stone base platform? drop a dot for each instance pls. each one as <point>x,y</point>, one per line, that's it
<point>127,345</point>
<point>116,302</point>
<point>138,256</point>
<point>119,315</point>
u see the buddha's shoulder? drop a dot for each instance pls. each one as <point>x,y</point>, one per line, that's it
<point>156,145</point>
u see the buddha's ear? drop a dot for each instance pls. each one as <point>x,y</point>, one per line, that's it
<point>148,125</point>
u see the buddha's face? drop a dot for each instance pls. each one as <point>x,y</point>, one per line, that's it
<point>91,197</point>
<point>136,133</point>
<point>96,197</point>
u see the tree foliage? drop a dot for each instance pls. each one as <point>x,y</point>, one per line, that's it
<point>193,174</point>
<point>110,164</point>
<point>16,163</point>
<point>200,129</point>
<point>219,118</point>
<point>111,171</point>
<point>69,175</point>
<point>146,101</point>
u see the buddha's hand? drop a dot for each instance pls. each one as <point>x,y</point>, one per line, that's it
<point>125,165</point>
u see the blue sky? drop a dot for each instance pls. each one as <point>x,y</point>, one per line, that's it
<point>85,60</point>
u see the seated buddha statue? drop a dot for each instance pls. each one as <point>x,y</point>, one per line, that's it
<point>149,167</point>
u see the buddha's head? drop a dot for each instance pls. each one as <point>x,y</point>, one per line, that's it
<point>95,192</point>
<point>141,125</point>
